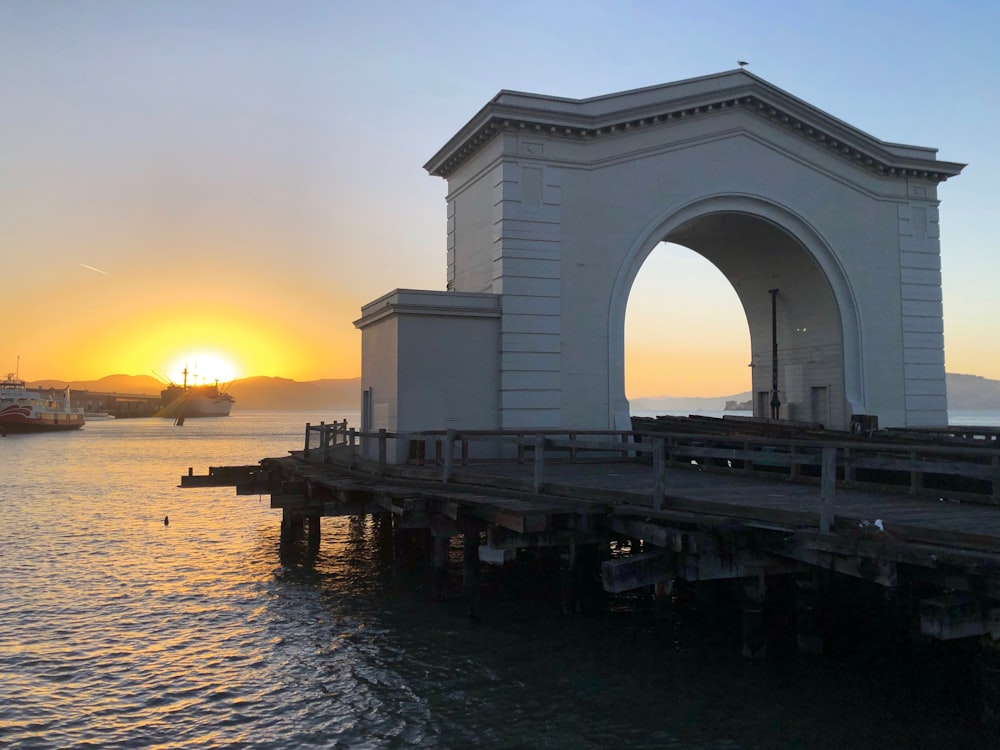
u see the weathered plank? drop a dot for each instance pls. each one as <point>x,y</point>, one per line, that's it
<point>636,571</point>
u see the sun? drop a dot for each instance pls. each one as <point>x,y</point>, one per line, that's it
<point>202,367</point>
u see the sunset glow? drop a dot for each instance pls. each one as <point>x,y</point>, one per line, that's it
<point>685,330</point>
<point>225,185</point>
<point>202,367</point>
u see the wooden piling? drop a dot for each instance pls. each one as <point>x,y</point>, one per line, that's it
<point>291,525</point>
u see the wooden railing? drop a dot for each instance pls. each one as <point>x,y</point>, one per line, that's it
<point>331,435</point>
<point>956,472</point>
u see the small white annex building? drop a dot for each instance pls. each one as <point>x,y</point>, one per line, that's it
<point>553,205</point>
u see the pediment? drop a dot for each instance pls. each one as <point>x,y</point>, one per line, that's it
<point>663,105</point>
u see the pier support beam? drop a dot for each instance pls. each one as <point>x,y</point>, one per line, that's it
<point>407,546</point>
<point>754,634</point>
<point>291,526</point>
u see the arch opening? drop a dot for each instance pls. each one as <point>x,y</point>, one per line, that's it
<point>777,277</point>
<point>686,335</point>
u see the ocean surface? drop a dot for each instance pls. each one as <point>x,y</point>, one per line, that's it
<point>120,631</point>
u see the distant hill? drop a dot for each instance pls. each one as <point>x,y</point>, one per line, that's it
<point>143,385</point>
<point>281,393</point>
<point>965,392</point>
<point>251,394</point>
<point>972,392</point>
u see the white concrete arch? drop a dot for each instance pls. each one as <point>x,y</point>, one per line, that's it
<point>795,226</point>
<point>554,204</point>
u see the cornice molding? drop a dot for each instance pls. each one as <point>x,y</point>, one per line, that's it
<point>662,106</point>
<point>416,302</point>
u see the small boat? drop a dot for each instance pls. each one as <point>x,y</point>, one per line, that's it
<point>22,410</point>
<point>94,416</point>
<point>181,401</point>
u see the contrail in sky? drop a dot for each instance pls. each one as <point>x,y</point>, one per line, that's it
<point>95,269</point>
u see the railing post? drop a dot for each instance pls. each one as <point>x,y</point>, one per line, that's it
<point>828,487</point>
<point>572,448</point>
<point>352,445</point>
<point>659,473</point>
<point>382,448</point>
<point>848,468</point>
<point>539,461</point>
<point>324,438</point>
<point>305,450</point>
<point>449,456</point>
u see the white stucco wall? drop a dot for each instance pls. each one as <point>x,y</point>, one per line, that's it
<point>431,362</point>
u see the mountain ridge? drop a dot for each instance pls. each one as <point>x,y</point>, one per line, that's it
<point>257,393</point>
<point>261,392</point>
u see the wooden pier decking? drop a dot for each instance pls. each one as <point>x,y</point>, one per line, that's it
<point>914,517</point>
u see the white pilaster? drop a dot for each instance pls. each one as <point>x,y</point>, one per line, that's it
<point>527,273</point>
<point>922,314</point>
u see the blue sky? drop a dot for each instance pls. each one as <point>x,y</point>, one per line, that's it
<point>249,164</point>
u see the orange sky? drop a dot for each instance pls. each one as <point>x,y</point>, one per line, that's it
<point>225,184</point>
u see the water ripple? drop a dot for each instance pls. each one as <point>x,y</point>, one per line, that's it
<point>119,632</point>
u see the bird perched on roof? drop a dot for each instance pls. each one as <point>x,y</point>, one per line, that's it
<point>742,63</point>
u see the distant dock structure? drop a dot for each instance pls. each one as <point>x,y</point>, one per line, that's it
<point>118,405</point>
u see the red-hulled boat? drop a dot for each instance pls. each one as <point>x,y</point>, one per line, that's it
<point>22,410</point>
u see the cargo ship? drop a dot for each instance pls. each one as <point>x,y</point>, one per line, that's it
<point>22,410</point>
<point>182,401</point>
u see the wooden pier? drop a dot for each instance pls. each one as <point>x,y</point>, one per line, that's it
<point>918,517</point>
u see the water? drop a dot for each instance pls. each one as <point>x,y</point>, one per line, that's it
<point>117,630</point>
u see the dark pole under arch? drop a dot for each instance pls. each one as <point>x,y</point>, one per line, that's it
<point>775,400</point>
